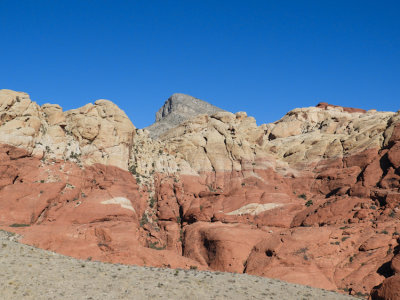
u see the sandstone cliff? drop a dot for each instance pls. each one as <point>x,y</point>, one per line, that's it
<point>313,198</point>
<point>94,133</point>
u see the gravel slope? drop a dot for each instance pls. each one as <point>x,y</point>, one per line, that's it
<point>32,273</point>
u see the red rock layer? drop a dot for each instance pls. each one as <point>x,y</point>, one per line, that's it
<point>348,109</point>
<point>331,224</point>
<point>64,208</point>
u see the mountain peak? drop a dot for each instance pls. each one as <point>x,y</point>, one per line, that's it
<point>177,109</point>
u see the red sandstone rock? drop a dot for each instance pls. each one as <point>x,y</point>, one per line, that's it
<point>223,247</point>
<point>389,290</point>
<point>348,109</point>
<point>394,155</point>
<point>390,180</point>
<point>372,173</point>
<point>395,264</point>
<point>292,256</point>
<point>375,242</point>
<point>395,137</point>
<point>393,200</point>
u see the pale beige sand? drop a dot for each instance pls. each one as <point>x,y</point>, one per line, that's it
<point>30,273</point>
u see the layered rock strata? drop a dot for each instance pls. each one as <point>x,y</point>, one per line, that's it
<point>313,198</point>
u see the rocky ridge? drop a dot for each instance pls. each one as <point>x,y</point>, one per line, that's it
<point>177,109</point>
<point>313,198</point>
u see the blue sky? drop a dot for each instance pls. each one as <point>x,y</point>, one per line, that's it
<point>263,57</point>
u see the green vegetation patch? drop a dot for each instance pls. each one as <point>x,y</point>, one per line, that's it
<point>19,225</point>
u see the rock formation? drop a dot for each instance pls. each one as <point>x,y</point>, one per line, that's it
<point>94,133</point>
<point>313,198</point>
<point>179,108</point>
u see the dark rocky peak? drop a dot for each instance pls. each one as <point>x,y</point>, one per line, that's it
<point>177,109</point>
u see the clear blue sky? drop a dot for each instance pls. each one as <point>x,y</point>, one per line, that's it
<point>263,57</point>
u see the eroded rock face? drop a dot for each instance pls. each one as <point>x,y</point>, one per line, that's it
<point>94,212</point>
<point>224,140</point>
<point>95,133</point>
<point>313,198</point>
<point>389,290</point>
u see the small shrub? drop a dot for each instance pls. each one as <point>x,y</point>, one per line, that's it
<point>384,232</point>
<point>181,235</point>
<point>303,196</point>
<point>193,267</point>
<point>309,203</point>
<point>152,202</point>
<point>302,250</point>
<point>359,294</point>
<point>345,238</point>
<point>74,155</point>
<point>132,169</point>
<point>144,220</point>
<point>19,225</point>
<point>154,246</point>
<point>210,188</point>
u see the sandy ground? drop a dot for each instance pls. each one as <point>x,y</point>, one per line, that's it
<point>31,273</point>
